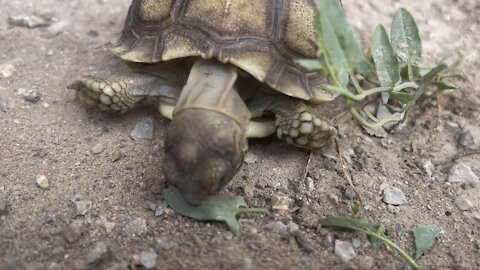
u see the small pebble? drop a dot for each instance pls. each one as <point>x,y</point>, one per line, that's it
<point>279,228</point>
<point>119,266</point>
<point>3,205</point>
<point>97,253</point>
<point>31,21</point>
<point>82,207</point>
<point>460,172</point>
<point>160,210</point>
<point>92,33</point>
<point>292,227</point>
<point>466,139</point>
<point>250,158</point>
<point>143,129</point>
<point>280,203</point>
<point>73,231</point>
<point>344,250</point>
<point>31,95</point>
<point>393,196</point>
<point>333,198</point>
<point>463,203</point>
<point>98,148</point>
<point>117,155</point>
<point>429,167</point>
<point>108,226</point>
<point>42,181</point>
<point>3,105</point>
<point>476,216</point>
<point>148,259</point>
<point>309,184</point>
<point>303,242</point>
<point>6,70</point>
<point>136,227</point>
<point>350,193</point>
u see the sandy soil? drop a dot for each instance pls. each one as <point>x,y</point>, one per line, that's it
<point>55,136</point>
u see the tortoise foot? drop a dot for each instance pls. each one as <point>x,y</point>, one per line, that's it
<point>300,125</point>
<point>110,94</point>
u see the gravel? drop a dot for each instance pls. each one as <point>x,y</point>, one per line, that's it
<point>73,231</point>
<point>42,181</point>
<point>6,70</point>
<point>135,228</point>
<point>160,210</point>
<point>344,250</point>
<point>460,172</point>
<point>463,203</point>
<point>148,259</point>
<point>82,207</point>
<point>144,128</point>
<point>394,196</point>
<point>29,21</point>
<point>98,252</point>
<point>30,95</point>
<point>98,148</point>
<point>280,228</point>
<point>466,139</point>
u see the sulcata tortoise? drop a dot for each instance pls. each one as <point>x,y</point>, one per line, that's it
<point>222,70</point>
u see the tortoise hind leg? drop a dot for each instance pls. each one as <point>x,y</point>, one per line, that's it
<point>299,124</point>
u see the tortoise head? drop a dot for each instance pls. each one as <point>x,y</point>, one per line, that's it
<point>203,151</point>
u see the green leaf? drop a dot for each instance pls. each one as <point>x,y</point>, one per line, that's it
<point>386,64</point>
<point>218,208</point>
<point>311,64</point>
<point>406,40</point>
<point>337,40</point>
<point>445,84</point>
<point>424,238</point>
<point>402,97</point>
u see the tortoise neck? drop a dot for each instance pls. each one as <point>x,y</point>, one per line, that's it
<point>211,86</point>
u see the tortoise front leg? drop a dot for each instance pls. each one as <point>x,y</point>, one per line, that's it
<point>119,93</point>
<point>116,93</point>
<point>299,124</point>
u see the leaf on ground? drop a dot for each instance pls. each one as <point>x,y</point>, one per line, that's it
<point>336,39</point>
<point>218,208</point>
<point>386,64</point>
<point>404,34</point>
<point>424,238</point>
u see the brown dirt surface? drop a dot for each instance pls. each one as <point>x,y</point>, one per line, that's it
<point>55,136</point>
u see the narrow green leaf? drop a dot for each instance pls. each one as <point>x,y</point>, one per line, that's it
<point>406,40</point>
<point>402,97</point>
<point>311,64</point>
<point>386,64</point>
<point>445,84</point>
<point>218,208</point>
<point>336,38</point>
<point>424,238</point>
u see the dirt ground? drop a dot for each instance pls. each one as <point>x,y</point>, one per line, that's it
<point>55,136</point>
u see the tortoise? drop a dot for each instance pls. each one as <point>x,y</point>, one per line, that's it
<point>222,71</point>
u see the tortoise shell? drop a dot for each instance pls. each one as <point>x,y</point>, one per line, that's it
<point>261,37</point>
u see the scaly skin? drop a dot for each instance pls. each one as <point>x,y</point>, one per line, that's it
<point>207,139</point>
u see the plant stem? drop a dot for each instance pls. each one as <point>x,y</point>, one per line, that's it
<point>355,83</point>
<point>345,92</point>
<point>387,241</point>
<point>252,210</point>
